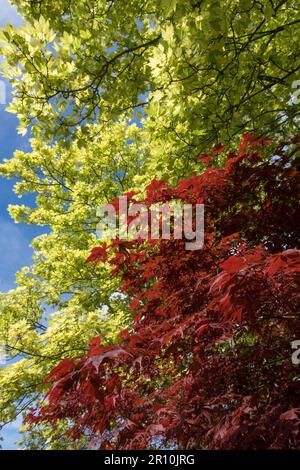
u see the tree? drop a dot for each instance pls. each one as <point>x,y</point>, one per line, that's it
<point>58,306</point>
<point>199,72</point>
<point>113,94</point>
<point>207,361</point>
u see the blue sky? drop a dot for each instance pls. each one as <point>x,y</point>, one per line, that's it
<point>14,239</point>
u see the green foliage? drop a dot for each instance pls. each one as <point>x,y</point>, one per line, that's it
<point>69,185</point>
<point>199,72</point>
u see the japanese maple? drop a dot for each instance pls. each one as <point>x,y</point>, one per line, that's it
<point>207,361</point>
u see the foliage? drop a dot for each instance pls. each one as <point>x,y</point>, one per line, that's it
<point>207,361</point>
<point>195,72</point>
<point>114,94</point>
<point>57,305</point>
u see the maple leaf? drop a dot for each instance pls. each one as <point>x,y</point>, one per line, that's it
<point>98,254</point>
<point>205,158</point>
<point>63,368</point>
<point>234,264</point>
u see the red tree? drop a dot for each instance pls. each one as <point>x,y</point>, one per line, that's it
<point>207,362</point>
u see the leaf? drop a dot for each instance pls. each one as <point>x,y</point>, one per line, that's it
<point>98,254</point>
<point>63,368</point>
<point>234,264</point>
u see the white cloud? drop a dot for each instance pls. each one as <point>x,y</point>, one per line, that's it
<point>8,14</point>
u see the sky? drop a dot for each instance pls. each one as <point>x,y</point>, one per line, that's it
<point>15,239</point>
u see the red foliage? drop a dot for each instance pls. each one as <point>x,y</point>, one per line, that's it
<point>207,363</point>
